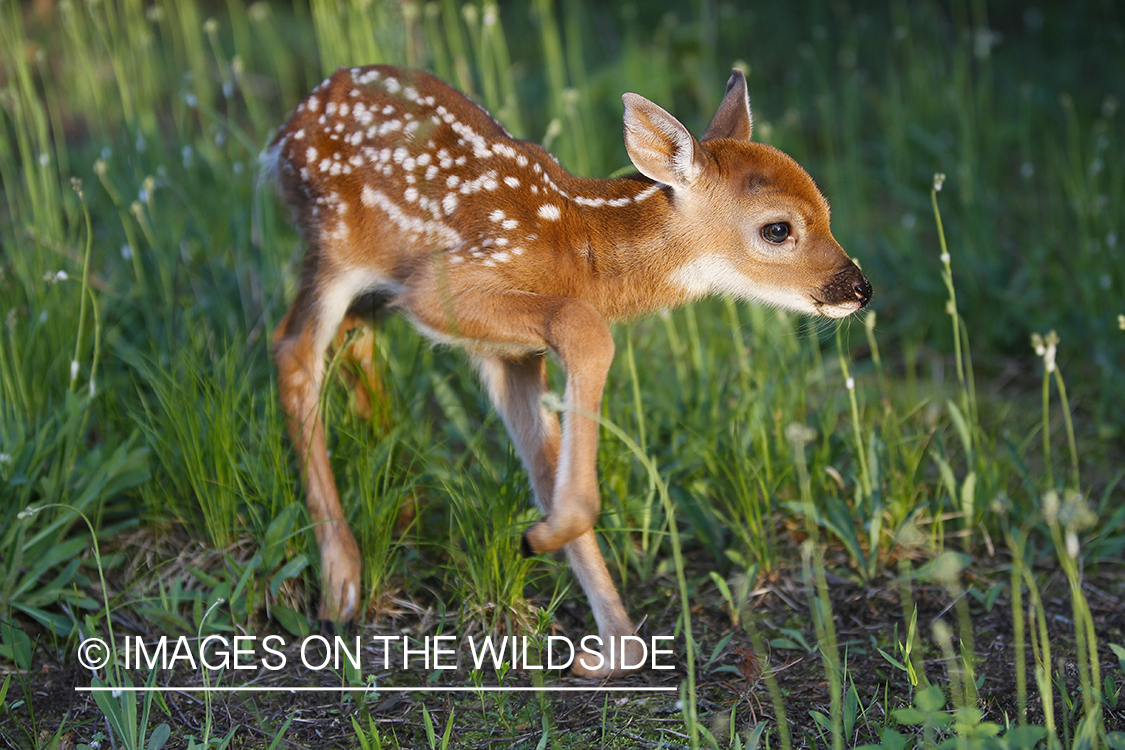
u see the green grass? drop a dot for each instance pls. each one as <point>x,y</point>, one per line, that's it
<point>136,387</point>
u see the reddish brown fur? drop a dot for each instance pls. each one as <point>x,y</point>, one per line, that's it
<point>405,189</point>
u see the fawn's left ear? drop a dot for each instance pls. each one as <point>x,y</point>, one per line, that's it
<point>659,146</point>
<point>732,119</point>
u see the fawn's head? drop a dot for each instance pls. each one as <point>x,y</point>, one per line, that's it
<point>759,224</point>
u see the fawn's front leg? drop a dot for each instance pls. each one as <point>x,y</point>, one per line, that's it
<point>491,323</point>
<point>584,344</point>
<point>516,387</point>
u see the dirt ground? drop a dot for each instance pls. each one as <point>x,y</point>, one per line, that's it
<point>729,678</point>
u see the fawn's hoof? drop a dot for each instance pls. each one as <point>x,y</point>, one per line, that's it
<point>609,663</point>
<point>339,581</point>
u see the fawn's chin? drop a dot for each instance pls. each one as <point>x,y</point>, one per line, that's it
<point>840,310</point>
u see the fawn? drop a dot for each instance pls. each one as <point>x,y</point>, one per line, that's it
<point>412,198</point>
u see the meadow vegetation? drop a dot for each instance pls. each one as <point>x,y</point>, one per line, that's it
<point>903,530</point>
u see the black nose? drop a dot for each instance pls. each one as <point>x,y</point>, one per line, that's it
<point>862,289</point>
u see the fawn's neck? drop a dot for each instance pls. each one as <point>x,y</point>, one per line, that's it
<point>622,245</point>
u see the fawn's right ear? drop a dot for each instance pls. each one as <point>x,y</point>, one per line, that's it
<point>732,119</point>
<point>659,146</point>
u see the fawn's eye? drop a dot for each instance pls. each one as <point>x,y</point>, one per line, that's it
<point>776,233</point>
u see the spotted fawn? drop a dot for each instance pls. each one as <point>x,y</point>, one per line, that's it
<point>412,198</point>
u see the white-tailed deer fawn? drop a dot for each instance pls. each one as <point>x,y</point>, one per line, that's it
<point>411,197</point>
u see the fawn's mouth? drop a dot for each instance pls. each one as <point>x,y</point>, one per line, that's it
<point>837,309</point>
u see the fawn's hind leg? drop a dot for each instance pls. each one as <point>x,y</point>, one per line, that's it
<point>355,340</point>
<point>299,347</point>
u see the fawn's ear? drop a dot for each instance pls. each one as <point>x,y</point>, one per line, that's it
<point>659,146</point>
<point>732,119</point>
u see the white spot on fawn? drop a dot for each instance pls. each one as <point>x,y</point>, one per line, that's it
<point>511,182</point>
<point>497,215</point>
<point>434,231</point>
<point>549,212</point>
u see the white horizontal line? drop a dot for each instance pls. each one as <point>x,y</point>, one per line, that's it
<point>385,689</point>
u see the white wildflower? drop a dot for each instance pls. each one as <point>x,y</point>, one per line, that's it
<point>939,180</point>
<point>1051,507</point>
<point>1071,543</point>
<point>799,434</point>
